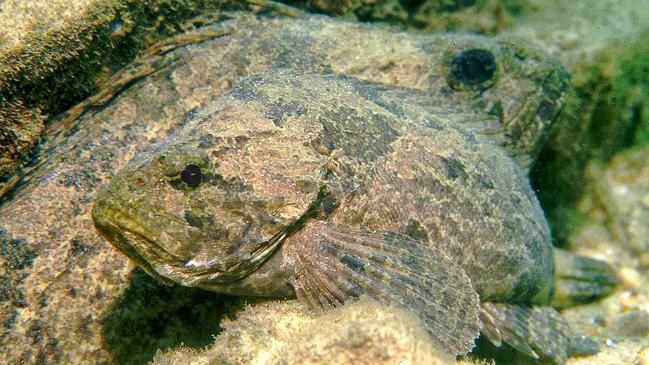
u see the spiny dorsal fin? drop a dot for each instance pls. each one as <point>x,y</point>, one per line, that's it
<point>338,263</point>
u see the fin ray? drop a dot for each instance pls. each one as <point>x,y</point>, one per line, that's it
<point>488,328</point>
<point>539,332</point>
<point>339,263</point>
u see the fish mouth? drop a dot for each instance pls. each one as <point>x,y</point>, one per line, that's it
<point>130,238</point>
<point>153,258</point>
<point>124,242</point>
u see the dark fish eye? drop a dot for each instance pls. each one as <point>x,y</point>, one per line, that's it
<point>191,175</point>
<point>472,69</point>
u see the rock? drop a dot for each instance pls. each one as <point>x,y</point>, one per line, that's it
<point>643,357</point>
<point>627,351</point>
<point>619,199</point>
<point>336,7</point>
<point>20,131</point>
<point>634,323</point>
<point>583,346</point>
<point>55,53</point>
<point>286,332</point>
<point>478,16</point>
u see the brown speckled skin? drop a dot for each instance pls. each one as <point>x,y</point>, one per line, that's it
<point>67,277</point>
<point>518,105</point>
<point>283,153</point>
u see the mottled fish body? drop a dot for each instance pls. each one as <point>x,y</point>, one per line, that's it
<point>326,187</point>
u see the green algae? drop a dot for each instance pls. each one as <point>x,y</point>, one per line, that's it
<point>631,89</point>
<point>607,112</point>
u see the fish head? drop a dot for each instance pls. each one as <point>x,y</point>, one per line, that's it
<point>213,203</point>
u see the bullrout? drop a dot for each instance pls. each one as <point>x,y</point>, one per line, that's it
<point>325,188</point>
<point>62,279</point>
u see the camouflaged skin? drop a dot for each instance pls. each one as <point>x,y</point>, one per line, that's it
<point>282,150</point>
<point>61,278</point>
<point>517,87</point>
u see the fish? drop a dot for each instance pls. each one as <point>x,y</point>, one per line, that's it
<point>326,187</point>
<point>46,220</point>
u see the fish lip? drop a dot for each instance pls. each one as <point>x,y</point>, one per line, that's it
<point>125,234</point>
<point>112,213</point>
<point>147,241</point>
<point>142,262</point>
<point>151,260</point>
<point>120,222</point>
<point>117,239</point>
<point>110,220</point>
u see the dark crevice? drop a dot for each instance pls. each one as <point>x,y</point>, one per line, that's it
<point>150,316</point>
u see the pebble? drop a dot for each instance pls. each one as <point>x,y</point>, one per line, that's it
<point>643,356</point>
<point>631,278</point>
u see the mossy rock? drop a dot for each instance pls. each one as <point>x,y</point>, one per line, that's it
<point>478,16</point>
<point>56,53</point>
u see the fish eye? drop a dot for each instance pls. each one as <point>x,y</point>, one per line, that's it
<point>473,69</point>
<point>191,175</point>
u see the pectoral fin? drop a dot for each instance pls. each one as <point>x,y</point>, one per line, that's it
<point>539,332</point>
<point>337,263</point>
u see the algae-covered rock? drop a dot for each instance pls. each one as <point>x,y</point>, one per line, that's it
<point>55,53</point>
<point>478,16</point>
<point>368,333</point>
<point>20,131</point>
<point>288,333</point>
